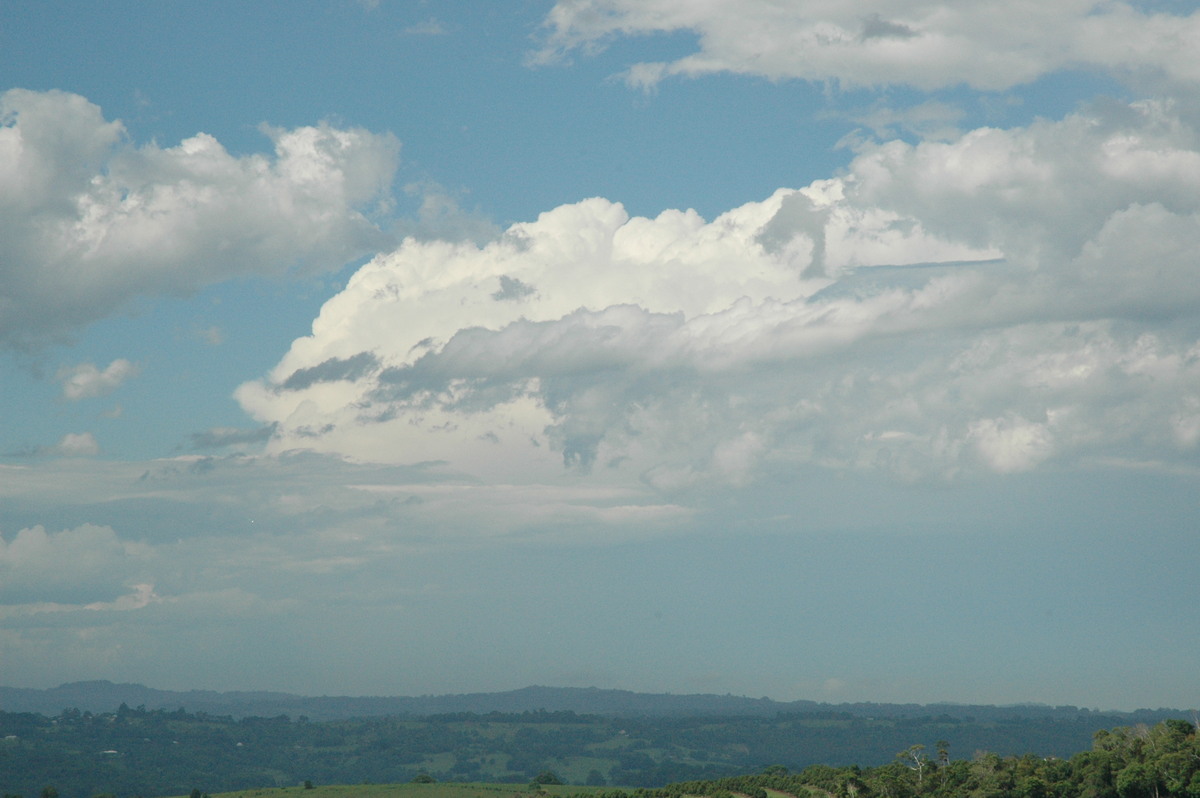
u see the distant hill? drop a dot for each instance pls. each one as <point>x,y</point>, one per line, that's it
<point>106,696</point>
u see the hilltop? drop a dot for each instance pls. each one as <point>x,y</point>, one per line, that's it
<point>106,696</point>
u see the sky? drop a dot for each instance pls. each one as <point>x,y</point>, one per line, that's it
<point>832,351</point>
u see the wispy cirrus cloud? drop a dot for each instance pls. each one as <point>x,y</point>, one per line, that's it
<point>220,437</point>
<point>428,27</point>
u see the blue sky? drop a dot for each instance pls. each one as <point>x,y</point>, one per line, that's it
<point>843,352</point>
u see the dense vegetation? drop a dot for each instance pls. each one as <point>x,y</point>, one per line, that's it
<point>155,752</point>
<point>1137,762</point>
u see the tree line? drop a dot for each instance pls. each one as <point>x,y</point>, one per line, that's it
<point>1160,761</point>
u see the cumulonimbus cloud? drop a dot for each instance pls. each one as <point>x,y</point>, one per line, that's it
<point>998,301</point>
<point>928,45</point>
<point>89,220</point>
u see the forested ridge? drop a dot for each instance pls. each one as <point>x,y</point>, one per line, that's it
<point>139,752</point>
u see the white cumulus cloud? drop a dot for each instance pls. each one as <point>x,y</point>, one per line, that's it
<point>83,565</point>
<point>85,380</point>
<point>76,444</point>
<point>89,220</point>
<point>983,44</point>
